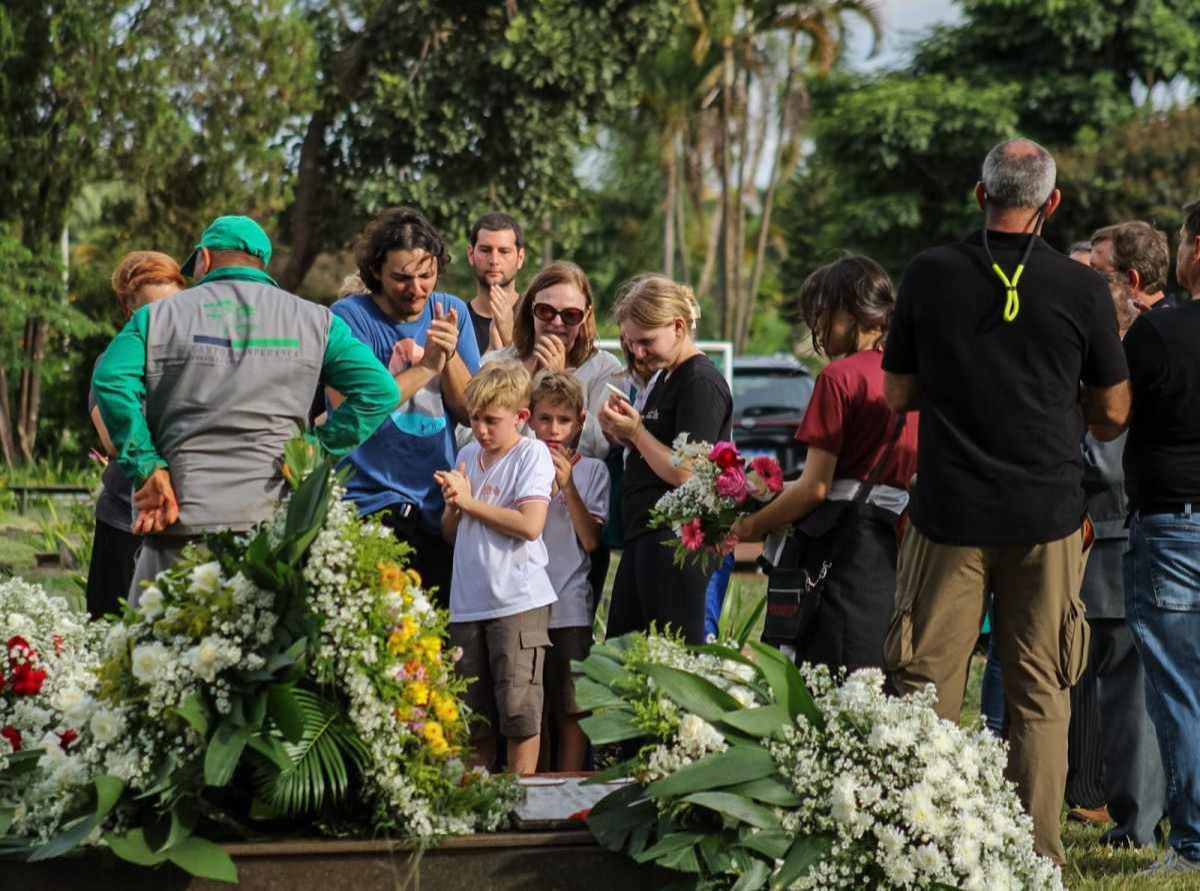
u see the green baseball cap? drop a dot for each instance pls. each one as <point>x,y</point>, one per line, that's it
<point>232,233</point>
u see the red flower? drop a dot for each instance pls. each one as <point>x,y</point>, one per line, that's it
<point>26,680</point>
<point>13,735</point>
<point>1,682</point>
<point>16,642</point>
<point>725,455</point>
<point>66,738</point>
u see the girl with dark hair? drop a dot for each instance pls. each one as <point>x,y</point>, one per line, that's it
<point>854,440</point>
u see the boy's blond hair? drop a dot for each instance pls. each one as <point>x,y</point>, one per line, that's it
<point>559,388</point>
<point>503,384</point>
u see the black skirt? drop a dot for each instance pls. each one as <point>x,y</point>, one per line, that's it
<point>860,592</point>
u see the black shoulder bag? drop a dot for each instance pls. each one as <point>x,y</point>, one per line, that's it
<point>797,581</point>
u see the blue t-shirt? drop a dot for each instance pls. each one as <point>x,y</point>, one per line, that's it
<point>397,463</point>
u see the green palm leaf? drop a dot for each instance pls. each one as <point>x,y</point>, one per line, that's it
<point>323,761</point>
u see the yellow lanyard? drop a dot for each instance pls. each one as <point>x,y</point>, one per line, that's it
<point>1012,300</point>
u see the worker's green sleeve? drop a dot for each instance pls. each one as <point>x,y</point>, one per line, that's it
<point>370,392</point>
<point>119,383</point>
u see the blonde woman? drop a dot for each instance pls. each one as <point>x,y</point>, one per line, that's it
<point>658,322</point>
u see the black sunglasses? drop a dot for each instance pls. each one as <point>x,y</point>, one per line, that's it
<point>570,316</point>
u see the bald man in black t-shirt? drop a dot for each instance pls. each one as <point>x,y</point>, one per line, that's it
<point>991,339</point>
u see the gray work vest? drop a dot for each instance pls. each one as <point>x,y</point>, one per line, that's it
<point>231,370</point>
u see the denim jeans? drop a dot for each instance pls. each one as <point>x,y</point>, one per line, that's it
<point>991,693</point>
<point>1162,606</point>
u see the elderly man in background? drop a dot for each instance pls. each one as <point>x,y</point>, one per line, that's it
<point>1162,566</point>
<point>227,370</point>
<point>1138,251</point>
<point>991,339</point>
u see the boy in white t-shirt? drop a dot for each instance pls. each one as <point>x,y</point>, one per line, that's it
<point>577,513</point>
<point>500,594</point>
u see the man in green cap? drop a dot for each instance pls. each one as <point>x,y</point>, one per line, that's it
<point>200,397</point>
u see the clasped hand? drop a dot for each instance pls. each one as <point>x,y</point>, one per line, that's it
<point>157,506</point>
<point>441,340</point>
<point>456,488</point>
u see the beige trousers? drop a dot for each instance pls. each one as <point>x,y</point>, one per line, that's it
<point>1041,637</point>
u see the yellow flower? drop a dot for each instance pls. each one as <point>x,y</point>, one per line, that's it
<point>432,731</point>
<point>432,646</point>
<point>417,693</point>
<point>403,713</point>
<point>445,709</point>
<point>440,747</point>
<point>414,577</point>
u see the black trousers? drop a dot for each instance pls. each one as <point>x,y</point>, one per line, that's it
<point>859,596</point>
<point>432,556</point>
<point>1085,741</point>
<point>114,554</point>
<point>1133,769</point>
<point>649,587</point>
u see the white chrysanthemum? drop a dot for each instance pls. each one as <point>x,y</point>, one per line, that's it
<point>147,661</point>
<point>150,604</point>
<point>106,725</point>
<point>205,578</point>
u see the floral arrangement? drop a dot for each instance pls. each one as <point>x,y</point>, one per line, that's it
<point>750,774</point>
<point>382,636</point>
<point>47,674</point>
<point>293,671</point>
<point>723,486</point>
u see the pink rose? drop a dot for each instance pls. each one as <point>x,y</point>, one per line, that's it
<point>725,455</point>
<point>725,548</point>
<point>732,484</point>
<point>692,535</point>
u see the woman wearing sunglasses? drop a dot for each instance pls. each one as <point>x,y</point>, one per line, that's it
<point>555,330</point>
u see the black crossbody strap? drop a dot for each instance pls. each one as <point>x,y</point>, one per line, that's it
<point>866,487</point>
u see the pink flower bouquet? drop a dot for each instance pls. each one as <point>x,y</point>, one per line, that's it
<point>723,486</point>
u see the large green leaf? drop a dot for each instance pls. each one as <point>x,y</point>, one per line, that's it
<point>770,790</point>
<point>742,632</point>
<point>8,814</point>
<point>107,793</point>
<point>203,859</point>
<point>610,726</point>
<point>692,692</point>
<point>132,846</point>
<point>306,513</point>
<point>271,748</point>
<point>328,751</point>
<point>224,750</point>
<point>803,856</point>
<point>754,877</point>
<point>669,844</point>
<point>602,669</point>
<point>736,807</point>
<point>729,653</point>
<point>195,713</point>
<point>766,720</point>
<point>166,832</point>
<point>285,712</point>
<point>774,843</point>
<point>788,684</point>
<point>590,696</point>
<point>737,764</point>
<point>616,816</point>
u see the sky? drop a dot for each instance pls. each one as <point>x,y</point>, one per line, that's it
<point>903,22</point>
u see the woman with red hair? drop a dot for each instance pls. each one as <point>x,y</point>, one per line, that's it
<point>141,277</point>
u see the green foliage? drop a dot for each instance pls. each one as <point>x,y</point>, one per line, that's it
<point>896,159</point>
<point>1075,63</point>
<point>324,758</point>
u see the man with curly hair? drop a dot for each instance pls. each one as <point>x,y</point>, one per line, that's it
<point>426,339</point>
